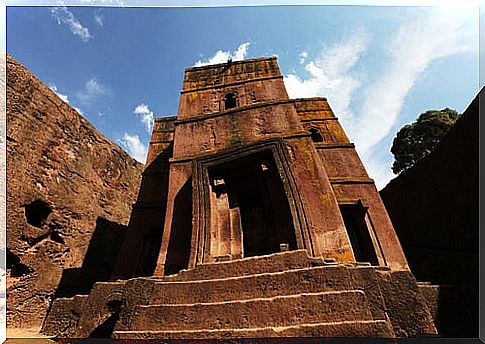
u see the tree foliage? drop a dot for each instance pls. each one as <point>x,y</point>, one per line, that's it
<point>414,141</point>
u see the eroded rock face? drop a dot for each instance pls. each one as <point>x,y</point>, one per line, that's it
<point>69,197</point>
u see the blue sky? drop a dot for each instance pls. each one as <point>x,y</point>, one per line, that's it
<point>379,67</point>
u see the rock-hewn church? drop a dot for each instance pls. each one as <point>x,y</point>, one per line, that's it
<point>255,218</point>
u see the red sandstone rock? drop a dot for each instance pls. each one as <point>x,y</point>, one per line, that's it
<point>69,192</point>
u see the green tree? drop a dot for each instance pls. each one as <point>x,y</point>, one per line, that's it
<point>414,141</point>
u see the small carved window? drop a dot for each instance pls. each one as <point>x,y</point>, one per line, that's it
<point>230,101</point>
<point>316,135</point>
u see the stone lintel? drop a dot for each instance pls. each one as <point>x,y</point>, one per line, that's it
<point>321,119</point>
<point>190,158</point>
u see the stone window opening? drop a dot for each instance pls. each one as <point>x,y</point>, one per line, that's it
<point>316,135</point>
<point>230,101</point>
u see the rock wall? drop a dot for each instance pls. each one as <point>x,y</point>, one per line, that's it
<point>434,209</point>
<point>69,196</point>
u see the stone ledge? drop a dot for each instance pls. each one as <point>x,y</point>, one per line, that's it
<point>333,145</point>
<point>232,111</point>
<point>366,328</point>
<point>351,181</point>
<point>275,311</point>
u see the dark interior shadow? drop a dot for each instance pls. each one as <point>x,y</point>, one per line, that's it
<point>458,312</point>
<point>98,262</point>
<point>140,249</point>
<point>106,328</point>
<point>434,209</point>
<point>181,231</point>
<point>16,267</point>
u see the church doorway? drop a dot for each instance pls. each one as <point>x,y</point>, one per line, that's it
<point>256,200</point>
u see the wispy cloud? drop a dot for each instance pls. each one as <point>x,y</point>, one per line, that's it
<point>66,17</point>
<point>92,90</point>
<point>417,44</point>
<point>134,147</point>
<point>222,56</point>
<point>145,115</point>
<point>427,36</point>
<point>98,19</point>
<point>331,74</point>
<point>303,55</point>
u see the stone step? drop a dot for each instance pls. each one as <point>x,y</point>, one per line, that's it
<point>356,328</point>
<point>346,305</point>
<point>296,281</point>
<point>63,315</point>
<point>247,266</point>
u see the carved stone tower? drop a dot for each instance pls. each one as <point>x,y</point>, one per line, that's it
<point>252,172</point>
<point>246,184</point>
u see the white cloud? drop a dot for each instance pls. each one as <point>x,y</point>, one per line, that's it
<point>222,56</point>
<point>145,115</point>
<point>81,112</point>
<point>134,147</point>
<point>64,16</point>
<point>303,55</point>
<point>92,90</point>
<point>64,98</point>
<point>331,75</point>
<point>99,19</point>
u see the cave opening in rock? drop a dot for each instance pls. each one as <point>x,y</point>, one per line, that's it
<point>16,267</point>
<point>37,212</point>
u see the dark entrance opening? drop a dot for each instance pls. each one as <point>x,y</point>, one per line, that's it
<point>354,218</point>
<point>253,184</point>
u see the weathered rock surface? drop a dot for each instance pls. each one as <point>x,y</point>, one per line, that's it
<point>69,199</point>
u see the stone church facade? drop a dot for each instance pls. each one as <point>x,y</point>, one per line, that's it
<point>255,218</point>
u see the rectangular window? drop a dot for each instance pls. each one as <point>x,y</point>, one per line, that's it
<point>354,216</point>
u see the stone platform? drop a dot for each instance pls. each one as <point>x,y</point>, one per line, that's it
<point>285,294</point>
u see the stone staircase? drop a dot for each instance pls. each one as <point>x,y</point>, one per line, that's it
<point>285,294</point>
